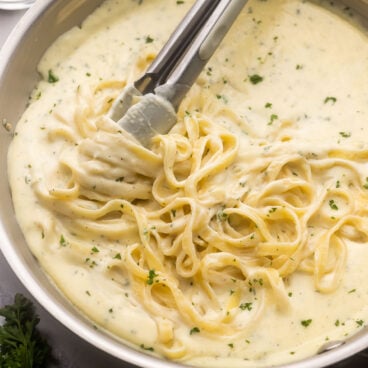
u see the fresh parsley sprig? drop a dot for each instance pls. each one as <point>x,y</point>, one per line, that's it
<point>21,344</point>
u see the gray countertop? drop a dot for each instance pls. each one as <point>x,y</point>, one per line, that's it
<point>68,349</point>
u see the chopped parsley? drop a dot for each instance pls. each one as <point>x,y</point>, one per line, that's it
<point>268,105</point>
<point>52,78</point>
<point>330,99</point>
<point>255,79</point>
<point>62,241</point>
<point>222,216</point>
<point>148,348</point>
<point>194,330</point>
<point>365,185</point>
<point>306,322</point>
<point>273,117</point>
<point>345,134</point>
<point>246,306</point>
<point>117,256</point>
<point>149,39</point>
<point>333,205</point>
<point>151,275</point>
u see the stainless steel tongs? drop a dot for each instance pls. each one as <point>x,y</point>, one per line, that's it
<point>148,107</point>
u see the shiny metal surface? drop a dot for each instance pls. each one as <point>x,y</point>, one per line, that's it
<point>18,60</point>
<point>15,4</point>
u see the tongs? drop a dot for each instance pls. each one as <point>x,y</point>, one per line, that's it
<point>148,106</point>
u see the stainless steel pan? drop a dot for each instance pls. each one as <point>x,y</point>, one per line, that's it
<point>18,60</point>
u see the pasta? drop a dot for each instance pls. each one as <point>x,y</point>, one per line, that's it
<point>206,230</point>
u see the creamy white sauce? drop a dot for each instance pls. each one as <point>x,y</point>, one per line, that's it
<point>312,98</point>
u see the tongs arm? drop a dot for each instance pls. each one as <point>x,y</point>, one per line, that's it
<point>187,69</point>
<point>176,46</point>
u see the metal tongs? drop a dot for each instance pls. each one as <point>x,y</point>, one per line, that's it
<point>148,107</point>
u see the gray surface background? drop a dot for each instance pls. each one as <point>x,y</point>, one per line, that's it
<point>69,350</point>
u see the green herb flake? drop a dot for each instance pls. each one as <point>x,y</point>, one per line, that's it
<point>62,241</point>
<point>147,348</point>
<point>337,323</point>
<point>151,276</point>
<point>306,322</point>
<point>345,134</point>
<point>333,205</point>
<point>194,330</point>
<point>268,105</point>
<point>359,322</point>
<point>95,249</point>
<point>255,79</point>
<point>246,306</point>
<point>273,117</point>
<point>117,256</point>
<point>365,185</point>
<point>221,215</point>
<point>330,99</point>
<point>149,39</point>
<point>52,78</point>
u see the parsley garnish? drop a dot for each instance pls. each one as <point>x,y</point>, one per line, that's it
<point>345,134</point>
<point>365,185</point>
<point>151,275</point>
<point>306,322</point>
<point>222,216</point>
<point>149,39</point>
<point>246,306</point>
<point>117,256</point>
<point>21,344</point>
<point>148,348</point>
<point>255,78</point>
<point>52,78</point>
<point>273,117</point>
<point>332,99</point>
<point>62,240</point>
<point>333,205</point>
<point>194,330</point>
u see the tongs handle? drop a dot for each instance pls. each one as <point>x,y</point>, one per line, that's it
<point>200,51</point>
<point>176,46</point>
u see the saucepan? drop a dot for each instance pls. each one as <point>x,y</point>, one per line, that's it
<point>41,25</point>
